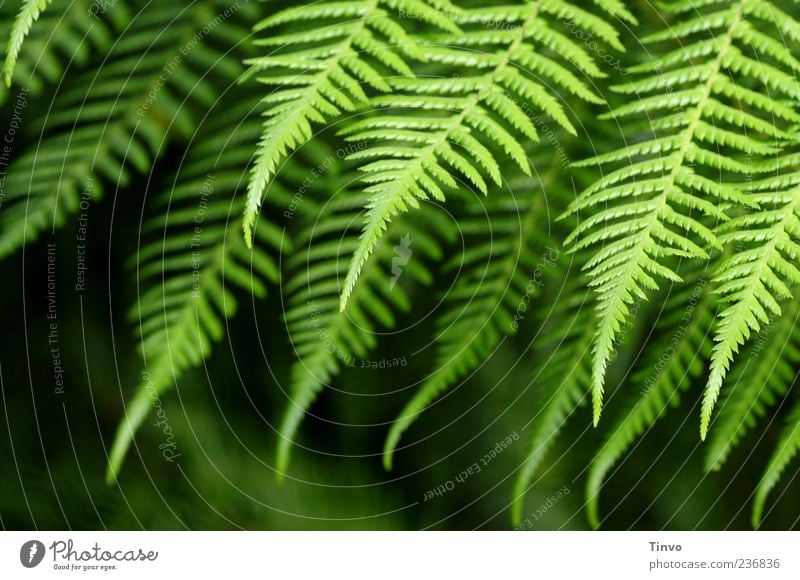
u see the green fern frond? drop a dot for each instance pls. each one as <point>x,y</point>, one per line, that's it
<point>453,128</point>
<point>787,447</point>
<point>754,279</point>
<point>325,339</point>
<point>563,378</point>
<point>669,366</point>
<point>65,36</point>
<point>758,381</point>
<point>322,72</point>
<point>679,180</point>
<point>195,258</point>
<point>289,145</point>
<point>499,274</point>
<point>28,14</point>
<point>117,120</point>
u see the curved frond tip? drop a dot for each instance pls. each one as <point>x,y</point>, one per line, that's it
<point>29,12</point>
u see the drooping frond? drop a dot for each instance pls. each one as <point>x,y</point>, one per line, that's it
<point>562,378</point>
<point>439,130</point>
<point>787,447</point>
<point>500,274</point>
<point>66,35</point>
<point>758,275</point>
<point>325,339</point>
<point>195,258</point>
<point>759,379</point>
<point>714,107</point>
<point>28,14</point>
<point>668,369</point>
<point>111,122</point>
<point>329,53</point>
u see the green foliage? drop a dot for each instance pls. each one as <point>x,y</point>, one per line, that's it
<point>561,378</point>
<point>499,275</point>
<point>28,14</point>
<point>753,280</point>
<point>785,450</point>
<point>666,371</point>
<point>315,129</point>
<point>758,381</point>
<point>319,73</point>
<point>65,35</point>
<point>111,122</point>
<point>188,270</point>
<point>684,174</point>
<point>325,339</point>
<point>444,133</point>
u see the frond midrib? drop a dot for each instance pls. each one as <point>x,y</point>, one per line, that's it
<point>728,339</point>
<point>261,168</point>
<point>402,184</point>
<point>612,304</point>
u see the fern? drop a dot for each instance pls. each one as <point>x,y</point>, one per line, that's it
<point>222,118</point>
<point>319,72</point>
<point>756,277</point>
<point>563,378</point>
<point>188,271</point>
<point>445,129</point>
<point>670,365</point>
<point>787,447</point>
<point>499,275</point>
<point>115,120</point>
<point>29,12</point>
<point>64,37</point>
<point>759,379</point>
<point>325,339</point>
<point>686,174</point>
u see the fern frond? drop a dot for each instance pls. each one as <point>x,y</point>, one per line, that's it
<point>319,72</point>
<point>757,382</point>
<point>563,379</point>
<point>669,366</point>
<point>787,447</point>
<point>711,122</point>
<point>28,14</point>
<point>325,339</point>
<point>500,274</point>
<point>456,127</point>
<point>194,261</point>
<point>752,281</point>
<point>65,36</point>
<point>116,121</point>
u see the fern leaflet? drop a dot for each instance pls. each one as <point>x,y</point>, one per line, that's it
<point>324,338</point>
<point>760,379</point>
<point>110,122</point>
